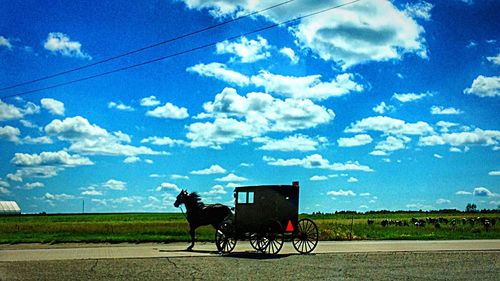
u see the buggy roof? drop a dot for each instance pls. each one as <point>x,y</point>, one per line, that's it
<point>295,185</point>
<point>262,187</point>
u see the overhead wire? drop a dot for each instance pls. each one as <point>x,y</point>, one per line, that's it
<point>213,43</point>
<point>146,47</point>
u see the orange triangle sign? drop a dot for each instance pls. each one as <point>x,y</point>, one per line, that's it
<point>289,227</point>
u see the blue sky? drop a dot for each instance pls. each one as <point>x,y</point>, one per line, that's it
<point>375,105</point>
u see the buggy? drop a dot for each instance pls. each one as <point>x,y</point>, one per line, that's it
<point>267,215</point>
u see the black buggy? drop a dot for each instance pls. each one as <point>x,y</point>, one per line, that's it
<point>267,215</point>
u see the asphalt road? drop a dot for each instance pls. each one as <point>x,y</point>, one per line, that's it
<point>32,252</point>
<point>367,260</point>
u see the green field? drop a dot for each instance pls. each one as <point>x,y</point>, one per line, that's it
<point>165,227</point>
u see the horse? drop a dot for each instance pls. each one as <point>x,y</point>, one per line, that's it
<point>199,214</point>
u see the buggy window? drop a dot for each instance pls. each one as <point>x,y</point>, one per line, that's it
<point>245,197</point>
<point>250,197</point>
<point>242,197</point>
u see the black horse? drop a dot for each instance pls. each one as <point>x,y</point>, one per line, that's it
<point>199,214</point>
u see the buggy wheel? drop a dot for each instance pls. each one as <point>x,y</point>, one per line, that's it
<point>307,236</point>
<point>273,238</point>
<point>225,238</point>
<point>255,242</point>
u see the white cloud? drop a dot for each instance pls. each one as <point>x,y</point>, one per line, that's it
<point>455,149</point>
<point>28,124</point>
<point>476,137</point>
<point>495,59</point>
<point>462,192</point>
<point>215,190</point>
<point>289,86</point>
<point>91,191</point>
<point>9,111</point>
<point>290,143</point>
<point>383,108</point>
<point>245,50</point>
<point>362,32</point>
<point>59,158</point>
<point>389,125</point>
<point>309,87</point>
<point>441,201</point>
<point>4,183</point>
<point>37,140</point>
<point>409,97</point>
<point>352,180</point>
<point>115,184</point>
<point>167,185</point>
<point>357,140</point>
<point>149,101</point>
<point>178,177</point>
<point>484,86</point>
<point>214,169</point>
<point>290,53</point>
<point>438,156</point>
<point>163,141</point>
<point>365,194</point>
<point>231,178</point>
<point>58,42</point>
<point>261,113</point>
<point>420,10</point>
<point>33,185</point>
<point>391,144</point>
<point>341,192</point>
<point>494,173</point>
<point>157,175</point>
<point>169,111</point>
<point>57,197</point>
<point>317,161</point>
<point>9,133</point>
<point>5,42</point>
<point>4,190</point>
<point>53,106</point>
<point>445,126</point>
<point>91,139</point>
<point>148,161</point>
<point>34,172</point>
<point>353,34</point>
<point>431,140</point>
<point>31,108</point>
<point>221,72</point>
<point>318,178</point>
<point>221,131</point>
<point>131,159</point>
<point>483,192</point>
<point>439,110</point>
<point>379,153</point>
<point>120,106</point>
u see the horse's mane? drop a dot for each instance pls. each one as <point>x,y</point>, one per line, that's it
<point>196,199</point>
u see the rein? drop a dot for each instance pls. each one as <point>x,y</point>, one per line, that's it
<point>180,206</point>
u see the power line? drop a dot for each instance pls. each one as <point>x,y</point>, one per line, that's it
<point>287,22</point>
<point>145,48</point>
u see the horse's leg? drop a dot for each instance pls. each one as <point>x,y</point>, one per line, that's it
<point>191,232</point>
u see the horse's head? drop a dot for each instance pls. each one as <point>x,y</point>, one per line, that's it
<point>181,198</point>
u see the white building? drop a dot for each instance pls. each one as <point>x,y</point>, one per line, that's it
<point>9,208</point>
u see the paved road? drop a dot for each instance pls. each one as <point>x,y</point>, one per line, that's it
<point>367,260</point>
<point>41,252</point>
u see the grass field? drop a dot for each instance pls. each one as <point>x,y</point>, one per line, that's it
<point>165,227</point>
